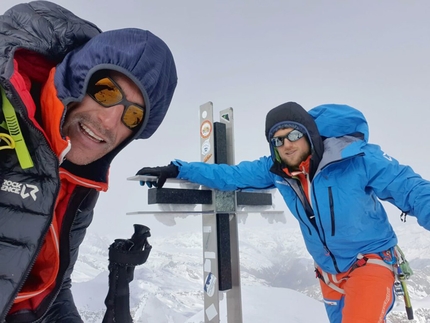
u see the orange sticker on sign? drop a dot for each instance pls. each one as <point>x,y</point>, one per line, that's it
<point>205,129</point>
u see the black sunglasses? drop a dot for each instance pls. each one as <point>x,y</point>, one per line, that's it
<point>292,136</point>
<point>106,92</point>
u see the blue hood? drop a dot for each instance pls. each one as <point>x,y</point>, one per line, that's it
<point>337,120</point>
<point>138,54</point>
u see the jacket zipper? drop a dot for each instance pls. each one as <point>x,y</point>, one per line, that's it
<point>57,249</point>
<point>323,239</point>
<point>301,220</point>
<point>67,227</point>
<point>332,214</point>
<point>332,217</point>
<point>312,216</point>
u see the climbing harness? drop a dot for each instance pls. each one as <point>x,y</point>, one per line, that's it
<point>361,261</point>
<point>393,259</point>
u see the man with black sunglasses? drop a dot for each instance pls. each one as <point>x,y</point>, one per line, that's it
<point>72,97</point>
<point>332,181</point>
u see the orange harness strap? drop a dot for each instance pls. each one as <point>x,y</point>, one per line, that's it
<point>331,280</point>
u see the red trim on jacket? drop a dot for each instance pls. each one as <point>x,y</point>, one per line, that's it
<point>53,111</point>
<point>32,67</point>
<point>41,280</point>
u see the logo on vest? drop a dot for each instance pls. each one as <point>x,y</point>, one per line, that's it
<point>25,190</point>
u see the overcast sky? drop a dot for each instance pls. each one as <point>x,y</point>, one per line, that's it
<point>254,55</point>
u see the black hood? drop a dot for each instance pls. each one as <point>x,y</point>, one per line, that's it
<point>293,115</point>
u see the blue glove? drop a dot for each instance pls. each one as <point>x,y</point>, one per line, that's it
<point>162,172</point>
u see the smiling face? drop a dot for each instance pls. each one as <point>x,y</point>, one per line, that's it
<point>292,153</point>
<point>94,130</point>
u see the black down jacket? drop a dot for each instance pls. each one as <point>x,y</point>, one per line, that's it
<point>37,34</point>
<point>27,196</point>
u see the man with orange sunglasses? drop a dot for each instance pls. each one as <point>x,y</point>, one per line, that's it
<point>72,97</point>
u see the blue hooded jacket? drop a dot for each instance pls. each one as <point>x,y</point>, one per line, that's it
<point>350,180</point>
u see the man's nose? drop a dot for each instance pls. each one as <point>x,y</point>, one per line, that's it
<point>111,117</point>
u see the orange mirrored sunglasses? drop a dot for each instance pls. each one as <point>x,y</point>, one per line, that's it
<point>106,92</point>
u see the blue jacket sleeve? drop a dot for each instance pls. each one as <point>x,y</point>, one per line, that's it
<point>245,175</point>
<point>398,184</point>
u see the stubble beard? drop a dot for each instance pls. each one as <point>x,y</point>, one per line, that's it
<point>295,164</point>
<point>80,157</point>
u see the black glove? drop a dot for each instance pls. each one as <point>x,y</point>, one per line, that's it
<point>162,172</point>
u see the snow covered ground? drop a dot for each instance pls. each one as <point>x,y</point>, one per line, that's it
<point>278,283</point>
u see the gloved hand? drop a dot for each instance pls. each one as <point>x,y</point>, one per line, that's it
<point>124,256</point>
<point>162,172</point>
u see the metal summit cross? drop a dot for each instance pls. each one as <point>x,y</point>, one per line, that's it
<point>221,266</point>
